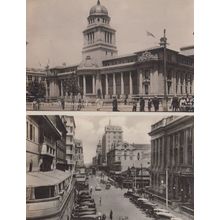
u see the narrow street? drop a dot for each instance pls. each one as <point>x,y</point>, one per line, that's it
<point>114,200</point>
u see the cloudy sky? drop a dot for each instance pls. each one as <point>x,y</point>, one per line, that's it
<point>54,27</point>
<point>90,130</point>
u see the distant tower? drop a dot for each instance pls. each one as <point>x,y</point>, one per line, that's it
<point>99,37</point>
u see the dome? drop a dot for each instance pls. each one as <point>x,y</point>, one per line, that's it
<point>98,9</point>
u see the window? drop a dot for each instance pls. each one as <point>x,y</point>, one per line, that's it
<point>31,134</point>
<point>125,155</point>
<point>138,156</point>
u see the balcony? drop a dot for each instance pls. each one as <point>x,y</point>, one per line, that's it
<point>47,150</point>
<point>70,151</point>
<point>70,161</point>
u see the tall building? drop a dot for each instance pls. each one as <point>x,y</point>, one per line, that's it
<point>80,166</point>
<point>125,155</point>
<point>102,72</point>
<point>113,136</point>
<point>172,158</point>
<point>70,142</point>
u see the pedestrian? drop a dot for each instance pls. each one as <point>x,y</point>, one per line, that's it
<point>38,104</point>
<point>149,104</point>
<point>115,105</point>
<point>142,104</point>
<point>111,215</point>
<point>79,105</point>
<point>156,103</point>
<point>100,201</point>
<point>63,103</point>
<point>98,104</point>
<point>103,217</point>
<point>134,108</point>
<point>175,104</point>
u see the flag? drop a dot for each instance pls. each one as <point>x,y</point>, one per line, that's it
<point>150,34</point>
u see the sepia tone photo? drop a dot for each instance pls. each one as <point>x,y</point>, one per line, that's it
<point>110,167</point>
<point>110,55</point>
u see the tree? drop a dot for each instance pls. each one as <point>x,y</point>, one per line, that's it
<point>71,86</point>
<point>36,89</point>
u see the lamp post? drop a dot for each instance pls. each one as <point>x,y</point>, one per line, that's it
<point>163,42</point>
<point>167,187</point>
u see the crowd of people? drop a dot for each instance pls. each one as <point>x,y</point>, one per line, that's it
<point>181,104</point>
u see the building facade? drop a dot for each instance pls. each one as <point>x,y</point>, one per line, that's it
<point>70,142</point>
<point>124,156</point>
<point>45,143</point>
<point>113,136</point>
<point>80,166</point>
<point>172,156</point>
<point>104,73</point>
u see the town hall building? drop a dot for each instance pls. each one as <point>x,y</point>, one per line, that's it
<point>103,73</point>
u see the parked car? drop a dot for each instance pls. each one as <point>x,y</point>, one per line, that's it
<point>164,216</point>
<point>88,217</point>
<point>98,188</point>
<point>108,186</point>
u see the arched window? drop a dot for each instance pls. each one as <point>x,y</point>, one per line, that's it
<point>138,156</point>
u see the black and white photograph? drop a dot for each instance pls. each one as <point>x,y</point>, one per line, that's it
<point>110,55</point>
<point>83,167</point>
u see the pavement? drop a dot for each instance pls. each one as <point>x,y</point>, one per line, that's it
<point>113,199</point>
<point>107,107</point>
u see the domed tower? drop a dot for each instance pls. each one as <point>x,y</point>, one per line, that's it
<point>99,37</point>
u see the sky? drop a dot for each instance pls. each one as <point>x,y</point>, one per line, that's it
<point>54,27</point>
<point>90,130</point>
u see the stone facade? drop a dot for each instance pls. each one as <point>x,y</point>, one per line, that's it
<point>172,152</point>
<point>103,73</point>
<point>125,155</point>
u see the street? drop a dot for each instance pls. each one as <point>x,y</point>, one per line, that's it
<point>114,200</point>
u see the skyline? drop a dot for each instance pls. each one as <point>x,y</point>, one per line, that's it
<point>54,29</point>
<point>90,130</point>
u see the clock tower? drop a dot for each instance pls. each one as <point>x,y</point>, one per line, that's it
<point>99,37</point>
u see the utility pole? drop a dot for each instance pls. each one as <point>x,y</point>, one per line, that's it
<point>163,42</point>
<point>167,187</point>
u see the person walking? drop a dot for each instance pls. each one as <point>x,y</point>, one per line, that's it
<point>134,108</point>
<point>149,104</point>
<point>63,103</point>
<point>156,103</point>
<point>98,104</point>
<point>142,104</point>
<point>111,215</point>
<point>115,104</point>
<point>175,104</point>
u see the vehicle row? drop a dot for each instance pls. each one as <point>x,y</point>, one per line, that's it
<point>85,208</point>
<point>150,208</point>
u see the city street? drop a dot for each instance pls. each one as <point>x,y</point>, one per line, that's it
<point>114,200</point>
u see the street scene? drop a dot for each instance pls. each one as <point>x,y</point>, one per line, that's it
<point>118,167</point>
<point>97,57</point>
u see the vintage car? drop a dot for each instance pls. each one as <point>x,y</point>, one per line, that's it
<point>108,186</point>
<point>88,217</point>
<point>164,216</point>
<point>98,188</point>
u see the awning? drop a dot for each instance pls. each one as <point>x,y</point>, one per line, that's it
<point>50,178</point>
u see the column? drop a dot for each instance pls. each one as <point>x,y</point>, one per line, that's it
<point>122,85</point>
<point>140,83</point>
<point>106,86</point>
<point>93,84</point>
<point>114,86</point>
<point>84,85</point>
<point>130,84</point>
<point>61,88</point>
<point>178,83</point>
<point>184,84</point>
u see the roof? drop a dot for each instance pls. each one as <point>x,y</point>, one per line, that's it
<point>50,178</point>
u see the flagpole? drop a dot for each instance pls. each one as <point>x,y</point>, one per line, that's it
<point>163,42</point>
